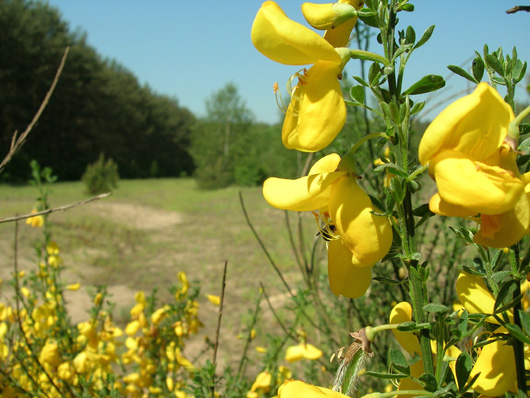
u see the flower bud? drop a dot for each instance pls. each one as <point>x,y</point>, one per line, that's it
<point>327,16</point>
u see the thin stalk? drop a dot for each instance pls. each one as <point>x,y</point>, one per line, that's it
<point>518,346</point>
<point>216,346</point>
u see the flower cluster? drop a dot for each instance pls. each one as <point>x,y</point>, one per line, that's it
<point>317,111</point>
<point>472,158</point>
<point>43,353</point>
<point>494,365</point>
<point>357,236</point>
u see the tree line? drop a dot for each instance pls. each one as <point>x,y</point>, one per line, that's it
<point>100,108</point>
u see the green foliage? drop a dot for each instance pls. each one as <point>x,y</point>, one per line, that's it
<point>97,106</point>
<point>229,148</point>
<point>101,176</point>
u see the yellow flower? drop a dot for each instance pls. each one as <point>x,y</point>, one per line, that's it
<point>402,312</point>
<point>475,296</point>
<point>496,364</point>
<point>317,111</point>
<point>496,361</point>
<point>160,314</point>
<point>215,300</point>
<point>357,237</point>
<point>297,389</point>
<point>36,221</point>
<point>474,167</point>
<point>50,354</point>
<point>302,351</point>
<point>74,286</point>
<point>262,383</point>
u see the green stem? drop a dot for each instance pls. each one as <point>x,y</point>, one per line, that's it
<point>513,129</point>
<point>368,56</point>
<point>417,172</point>
<point>413,393</point>
<point>417,304</point>
<point>518,346</point>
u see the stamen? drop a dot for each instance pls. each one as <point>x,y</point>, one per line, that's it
<point>326,228</point>
<point>302,79</point>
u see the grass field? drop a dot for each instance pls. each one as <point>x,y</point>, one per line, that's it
<point>147,231</point>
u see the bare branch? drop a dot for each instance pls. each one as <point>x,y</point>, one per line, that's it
<point>16,143</point>
<point>518,8</point>
<point>48,211</point>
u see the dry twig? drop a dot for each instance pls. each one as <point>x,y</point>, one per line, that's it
<point>16,143</point>
<point>60,208</point>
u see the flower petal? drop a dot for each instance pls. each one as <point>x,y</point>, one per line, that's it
<point>510,227</point>
<point>475,296</point>
<point>329,15</point>
<point>340,36</point>
<point>345,278</point>
<point>367,235</point>
<point>302,351</point>
<point>475,124</point>
<point>285,41</point>
<point>402,312</point>
<point>303,194</point>
<point>317,111</point>
<point>496,364</point>
<point>476,186</point>
<point>298,389</point>
<point>326,164</point>
<point>438,206</point>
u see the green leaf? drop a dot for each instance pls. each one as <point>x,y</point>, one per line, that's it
<point>357,94</point>
<point>525,321</point>
<point>464,321</point>
<point>447,391</point>
<point>413,326</point>
<point>390,203</point>
<point>494,63</point>
<point>524,128</point>
<point>399,361</point>
<point>377,203</point>
<point>361,81</point>
<point>524,146</point>
<point>499,276</point>
<point>373,74</point>
<point>426,84</point>
<point>392,168</point>
<point>387,281</point>
<point>498,80</point>
<point>509,305</point>
<point>516,332</point>
<point>422,210</point>
<point>417,107</point>
<point>407,7</point>
<point>381,375</point>
<point>368,16</point>
<point>503,292</point>
<point>519,71</point>
<point>410,36</point>
<point>397,190</point>
<point>461,72</point>
<point>471,382</point>
<point>478,68</point>
<point>464,364</point>
<point>426,36</point>
<point>435,308</point>
<point>429,381</point>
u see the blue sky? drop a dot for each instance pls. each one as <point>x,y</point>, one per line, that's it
<point>190,49</point>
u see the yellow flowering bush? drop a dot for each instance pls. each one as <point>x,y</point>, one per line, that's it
<point>44,354</point>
